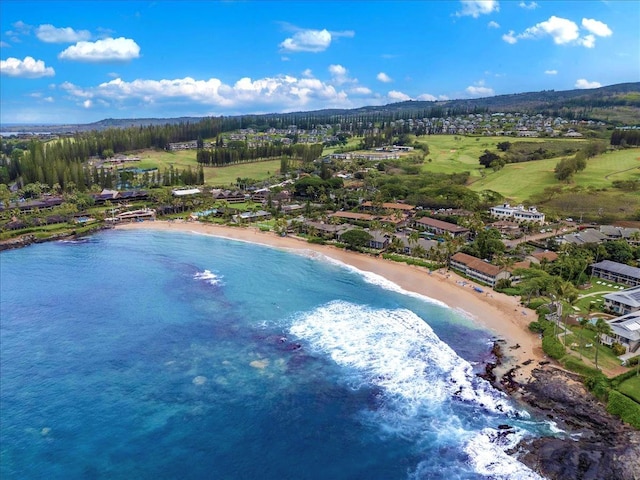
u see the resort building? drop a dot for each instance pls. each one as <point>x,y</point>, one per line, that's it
<point>184,192</point>
<point>626,301</point>
<point>438,227</point>
<point>478,269</point>
<point>626,331</point>
<point>517,214</point>
<point>403,207</point>
<point>589,235</point>
<point>616,272</point>
<point>351,216</point>
<point>247,217</point>
<point>134,216</point>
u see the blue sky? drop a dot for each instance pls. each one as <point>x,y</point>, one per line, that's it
<point>78,62</point>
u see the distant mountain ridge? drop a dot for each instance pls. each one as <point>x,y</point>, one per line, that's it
<point>614,103</point>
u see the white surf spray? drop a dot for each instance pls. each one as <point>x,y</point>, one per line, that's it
<point>418,375</point>
<point>208,277</point>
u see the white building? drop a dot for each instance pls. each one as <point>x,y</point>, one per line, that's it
<point>518,214</point>
<point>626,301</point>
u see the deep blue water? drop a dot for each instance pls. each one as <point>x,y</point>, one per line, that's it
<point>139,354</point>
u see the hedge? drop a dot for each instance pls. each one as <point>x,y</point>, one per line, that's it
<point>551,345</point>
<point>624,407</point>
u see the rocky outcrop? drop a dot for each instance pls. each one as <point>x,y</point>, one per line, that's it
<point>597,445</point>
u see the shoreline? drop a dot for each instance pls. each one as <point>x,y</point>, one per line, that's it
<point>520,349</point>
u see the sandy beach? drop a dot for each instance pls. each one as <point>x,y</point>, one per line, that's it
<point>496,312</point>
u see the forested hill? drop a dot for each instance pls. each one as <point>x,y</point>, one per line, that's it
<point>617,104</point>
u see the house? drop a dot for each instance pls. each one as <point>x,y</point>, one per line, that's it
<point>631,235</point>
<point>626,301</point>
<point>505,227</point>
<point>540,257</point>
<point>478,269</point>
<point>616,272</point>
<point>518,214</point>
<point>379,240</point>
<point>589,235</point>
<point>439,227</point>
<point>409,245</point>
<point>626,331</point>
<point>325,230</point>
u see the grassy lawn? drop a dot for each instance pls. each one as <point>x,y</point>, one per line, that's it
<point>600,290</point>
<point>455,153</point>
<point>214,176</point>
<point>520,181</point>
<point>582,337</point>
<point>631,388</point>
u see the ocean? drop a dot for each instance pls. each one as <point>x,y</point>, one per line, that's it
<point>164,355</point>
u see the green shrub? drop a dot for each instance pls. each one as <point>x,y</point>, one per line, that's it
<point>576,365</point>
<point>551,345</point>
<point>538,302</point>
<point>502,284</point>
<point>618,349</point>
<point>598,384</point>
<point>624,407</point>
<point>316,240</point>
<point>536,327</point>
<point>633,361</point>
<point>543,310</point>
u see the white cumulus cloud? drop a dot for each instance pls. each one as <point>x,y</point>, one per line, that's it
<point>551,72</point>
<point>360,91</point>
<point>493,24</point>
<point>50,34</point>
<point>87,104</point>
<point>479,90</point>
<point>26,68</point>
<point>584,83</point>
<point>475,8</point>
<point>384,78</point>
<point>563,32</point>
<point>528,6</point>
<point>510,37</point>
<point>282,92</point>
<point>105,50</point>
<point>397,96</point>
<point>308,40</point>
<point>426,97</point>
<point>596,27</point>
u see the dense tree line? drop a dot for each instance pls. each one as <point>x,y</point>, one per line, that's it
<point>625,138</point>
<point>220,157</point>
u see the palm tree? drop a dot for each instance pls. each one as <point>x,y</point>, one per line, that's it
<point>413,238</point>
<point>602,328</point>
<point>566,292</point>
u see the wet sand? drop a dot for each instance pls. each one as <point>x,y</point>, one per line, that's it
<point>494,311</point>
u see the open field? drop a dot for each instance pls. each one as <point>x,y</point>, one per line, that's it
<point>520,181</point>
<point>214,176</point>
<point>455,153</point>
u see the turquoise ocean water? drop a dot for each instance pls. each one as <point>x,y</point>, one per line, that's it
<point>156,355</point>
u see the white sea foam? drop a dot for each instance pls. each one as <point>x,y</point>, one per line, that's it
<point>487,455</point>
<point>373,278</point>
<point>397,351</point>
<point>419,377</point>
<point>207,276</point>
